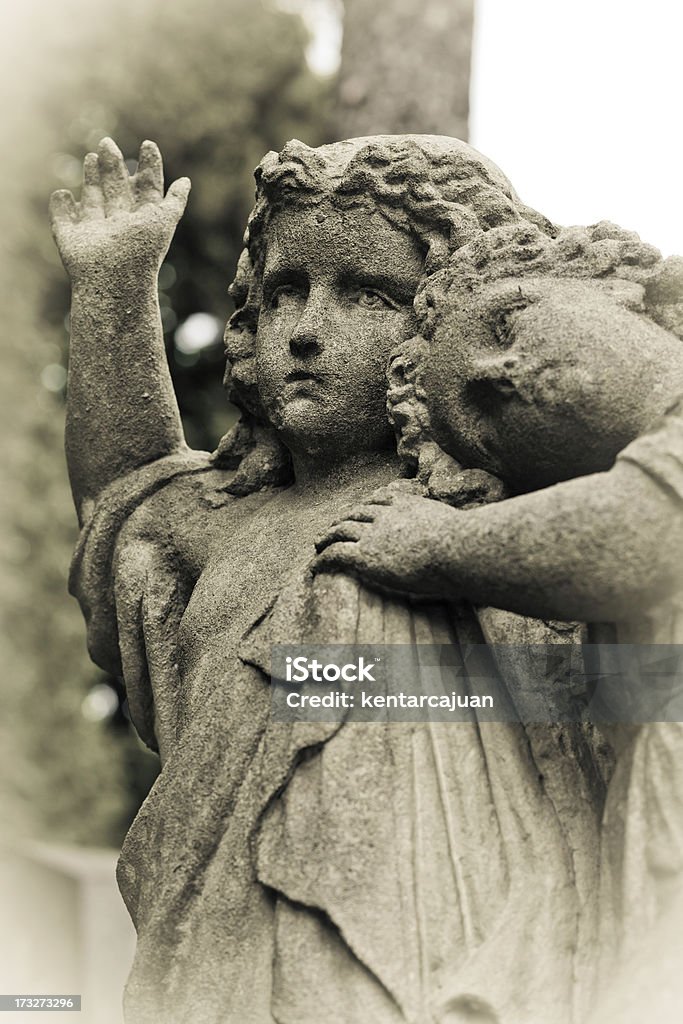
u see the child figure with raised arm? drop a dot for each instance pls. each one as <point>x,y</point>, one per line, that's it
<point>184,556</point>
<point>556,365</point>
<point>112,244</point>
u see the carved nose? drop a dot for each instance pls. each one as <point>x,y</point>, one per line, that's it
<point>304,344</point>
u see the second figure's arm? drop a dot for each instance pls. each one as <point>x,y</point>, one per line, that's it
<point>600,548</point>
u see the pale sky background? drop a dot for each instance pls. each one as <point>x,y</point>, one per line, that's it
<point>579,102</point>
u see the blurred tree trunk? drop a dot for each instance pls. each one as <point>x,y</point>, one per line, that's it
<point>405,67</point>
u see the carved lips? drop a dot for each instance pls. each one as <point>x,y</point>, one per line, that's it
<point>302,383</point>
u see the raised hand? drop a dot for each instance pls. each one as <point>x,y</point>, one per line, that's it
<point>121,408</point>
<point>123,221</point>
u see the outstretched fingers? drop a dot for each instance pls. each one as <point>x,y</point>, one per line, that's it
<point>115,179</point>
<point>176,197</point>
<point>148,180</point>
<point>92,199</point>
<point>63,209</point>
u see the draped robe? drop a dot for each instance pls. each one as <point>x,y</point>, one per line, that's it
<point>305,872</point>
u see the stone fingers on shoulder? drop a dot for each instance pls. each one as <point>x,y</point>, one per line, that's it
<point>346,530</point>
<point>360,514</point>
<point>341,556</point>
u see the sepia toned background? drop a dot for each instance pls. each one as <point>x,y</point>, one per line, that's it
<point>579,104</point>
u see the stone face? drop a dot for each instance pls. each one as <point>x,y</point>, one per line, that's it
<point>545,358</point>
<point>307,871</point>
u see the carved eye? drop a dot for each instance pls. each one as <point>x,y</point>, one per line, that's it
<point>505,320</point>
<point>368,298</point>
<point>282,295</point>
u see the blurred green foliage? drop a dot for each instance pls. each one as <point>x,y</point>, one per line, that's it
<point>216,83</point>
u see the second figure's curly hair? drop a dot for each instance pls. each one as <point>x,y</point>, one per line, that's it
<point>438,189</point>
<point>600,252</point>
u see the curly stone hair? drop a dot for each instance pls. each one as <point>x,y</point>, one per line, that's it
<point>438,189</point>
<point>600,252</point>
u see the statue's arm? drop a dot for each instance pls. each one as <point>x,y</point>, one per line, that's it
<point>598,548</point>
<point>121,407</point>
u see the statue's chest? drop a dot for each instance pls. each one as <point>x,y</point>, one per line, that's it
<point>248,564</point>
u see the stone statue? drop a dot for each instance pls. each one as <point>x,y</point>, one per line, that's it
<point>556,364</point>
<point>304,872</point>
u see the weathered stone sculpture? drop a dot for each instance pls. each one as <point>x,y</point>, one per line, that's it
<point>541,360</point>
<point>300,872</point>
